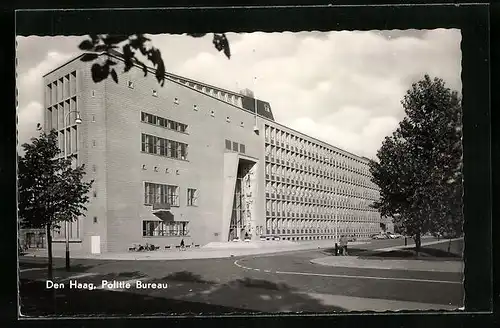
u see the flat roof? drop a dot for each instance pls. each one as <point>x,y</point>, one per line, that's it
<point>172,78</point>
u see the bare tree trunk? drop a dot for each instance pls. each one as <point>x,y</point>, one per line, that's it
<point>418,243</point>
<point>449,246</point>
<point>49,251</point>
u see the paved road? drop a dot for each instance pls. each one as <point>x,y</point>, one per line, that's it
<point>278,282</point>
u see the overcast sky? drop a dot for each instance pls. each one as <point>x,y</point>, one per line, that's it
<point>342,87</point>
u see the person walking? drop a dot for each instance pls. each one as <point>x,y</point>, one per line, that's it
<point>343,245</point>
<point>182,244</point>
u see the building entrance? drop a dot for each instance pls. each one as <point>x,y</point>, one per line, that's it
<point>241,226</point>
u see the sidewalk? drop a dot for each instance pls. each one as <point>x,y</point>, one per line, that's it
<point>389,264</point>
<point>200,253</point>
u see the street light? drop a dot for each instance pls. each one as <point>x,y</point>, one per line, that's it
<point>78,120</point>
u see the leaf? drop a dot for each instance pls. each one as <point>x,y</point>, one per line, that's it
<point>86,45</point>
<point>101,48</point>
<point>114,39</point>
<point>114,76</point>
<point>88,57</point>
<point>197,35</point>
<point>221,43</point>
<point>99,72</point>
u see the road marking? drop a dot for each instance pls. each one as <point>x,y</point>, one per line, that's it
<point>351,276</point>
<point>393,248</point>
<point>368,277</point>
<point>32,269</point>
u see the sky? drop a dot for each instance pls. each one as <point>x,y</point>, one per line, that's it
<point>342,87</point>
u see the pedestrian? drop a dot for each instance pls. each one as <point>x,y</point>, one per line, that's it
<point>182,244</point>
<point>343,245</point>
<point>336,249</point>
<point>346,241</point>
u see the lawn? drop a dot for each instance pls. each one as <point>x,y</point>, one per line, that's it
<point>435,252</point>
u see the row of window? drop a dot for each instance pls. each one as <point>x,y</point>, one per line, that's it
<point>60,89</point>
<point>164,147</point>
<point>73,229</point>
<point>164,229</point>
<point>67,140</point>
<point>314,205</point>
<point>293,226</point>
<point>331,191</point>
<point>337,184</point>
<point>219,94</point>
<point>234,146</point>
<point>61,115</point>
<point>216,93</point>
<point>289,209</point>
<point>287,140</point>
<point>318,224</point>
<point>301,165</point>
<point>163,122</point>
<point>156,193</point>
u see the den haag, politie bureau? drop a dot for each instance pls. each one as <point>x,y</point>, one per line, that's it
<point>105,284</point>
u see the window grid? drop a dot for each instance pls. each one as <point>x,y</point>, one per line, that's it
<point>192,197</point>
<point>164,229</point>
<point>163,122</point>
<point>164,147</point>
<point>155,193</point>
<point>309,186</point>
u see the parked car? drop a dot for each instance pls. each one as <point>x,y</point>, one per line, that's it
<point>396,236</point>
<point>380,236</point>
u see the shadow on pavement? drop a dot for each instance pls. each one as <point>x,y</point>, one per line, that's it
<point>185,276</point>
<point>187,294</point>
<point>129,275</point>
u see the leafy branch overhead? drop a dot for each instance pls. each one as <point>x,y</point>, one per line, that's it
<point>131,46</point>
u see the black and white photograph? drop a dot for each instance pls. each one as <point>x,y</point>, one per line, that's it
<point>240,173</point>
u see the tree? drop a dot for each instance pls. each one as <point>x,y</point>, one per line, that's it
<point>419,167</point>
<point>131,46</point>
<point>51,191</point>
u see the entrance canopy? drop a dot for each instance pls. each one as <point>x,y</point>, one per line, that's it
<point>162,211</point>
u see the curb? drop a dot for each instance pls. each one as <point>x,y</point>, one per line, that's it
<point>318,261</point>
<point>207,255</point>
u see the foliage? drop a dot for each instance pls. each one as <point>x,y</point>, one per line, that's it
<point>50,190</point>
<point>419,168</point>
<point>131,46</point>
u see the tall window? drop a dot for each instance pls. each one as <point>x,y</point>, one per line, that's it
<point>160,228</point>
<point>192,197</point>
<point>160,193</point>
<point>164,147</point>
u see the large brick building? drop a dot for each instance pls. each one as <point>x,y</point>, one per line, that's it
<point>196,162</point>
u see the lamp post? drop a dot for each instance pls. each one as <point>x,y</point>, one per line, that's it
<point>78,120</point>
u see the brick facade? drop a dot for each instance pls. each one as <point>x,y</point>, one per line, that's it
<point>109,144</point>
